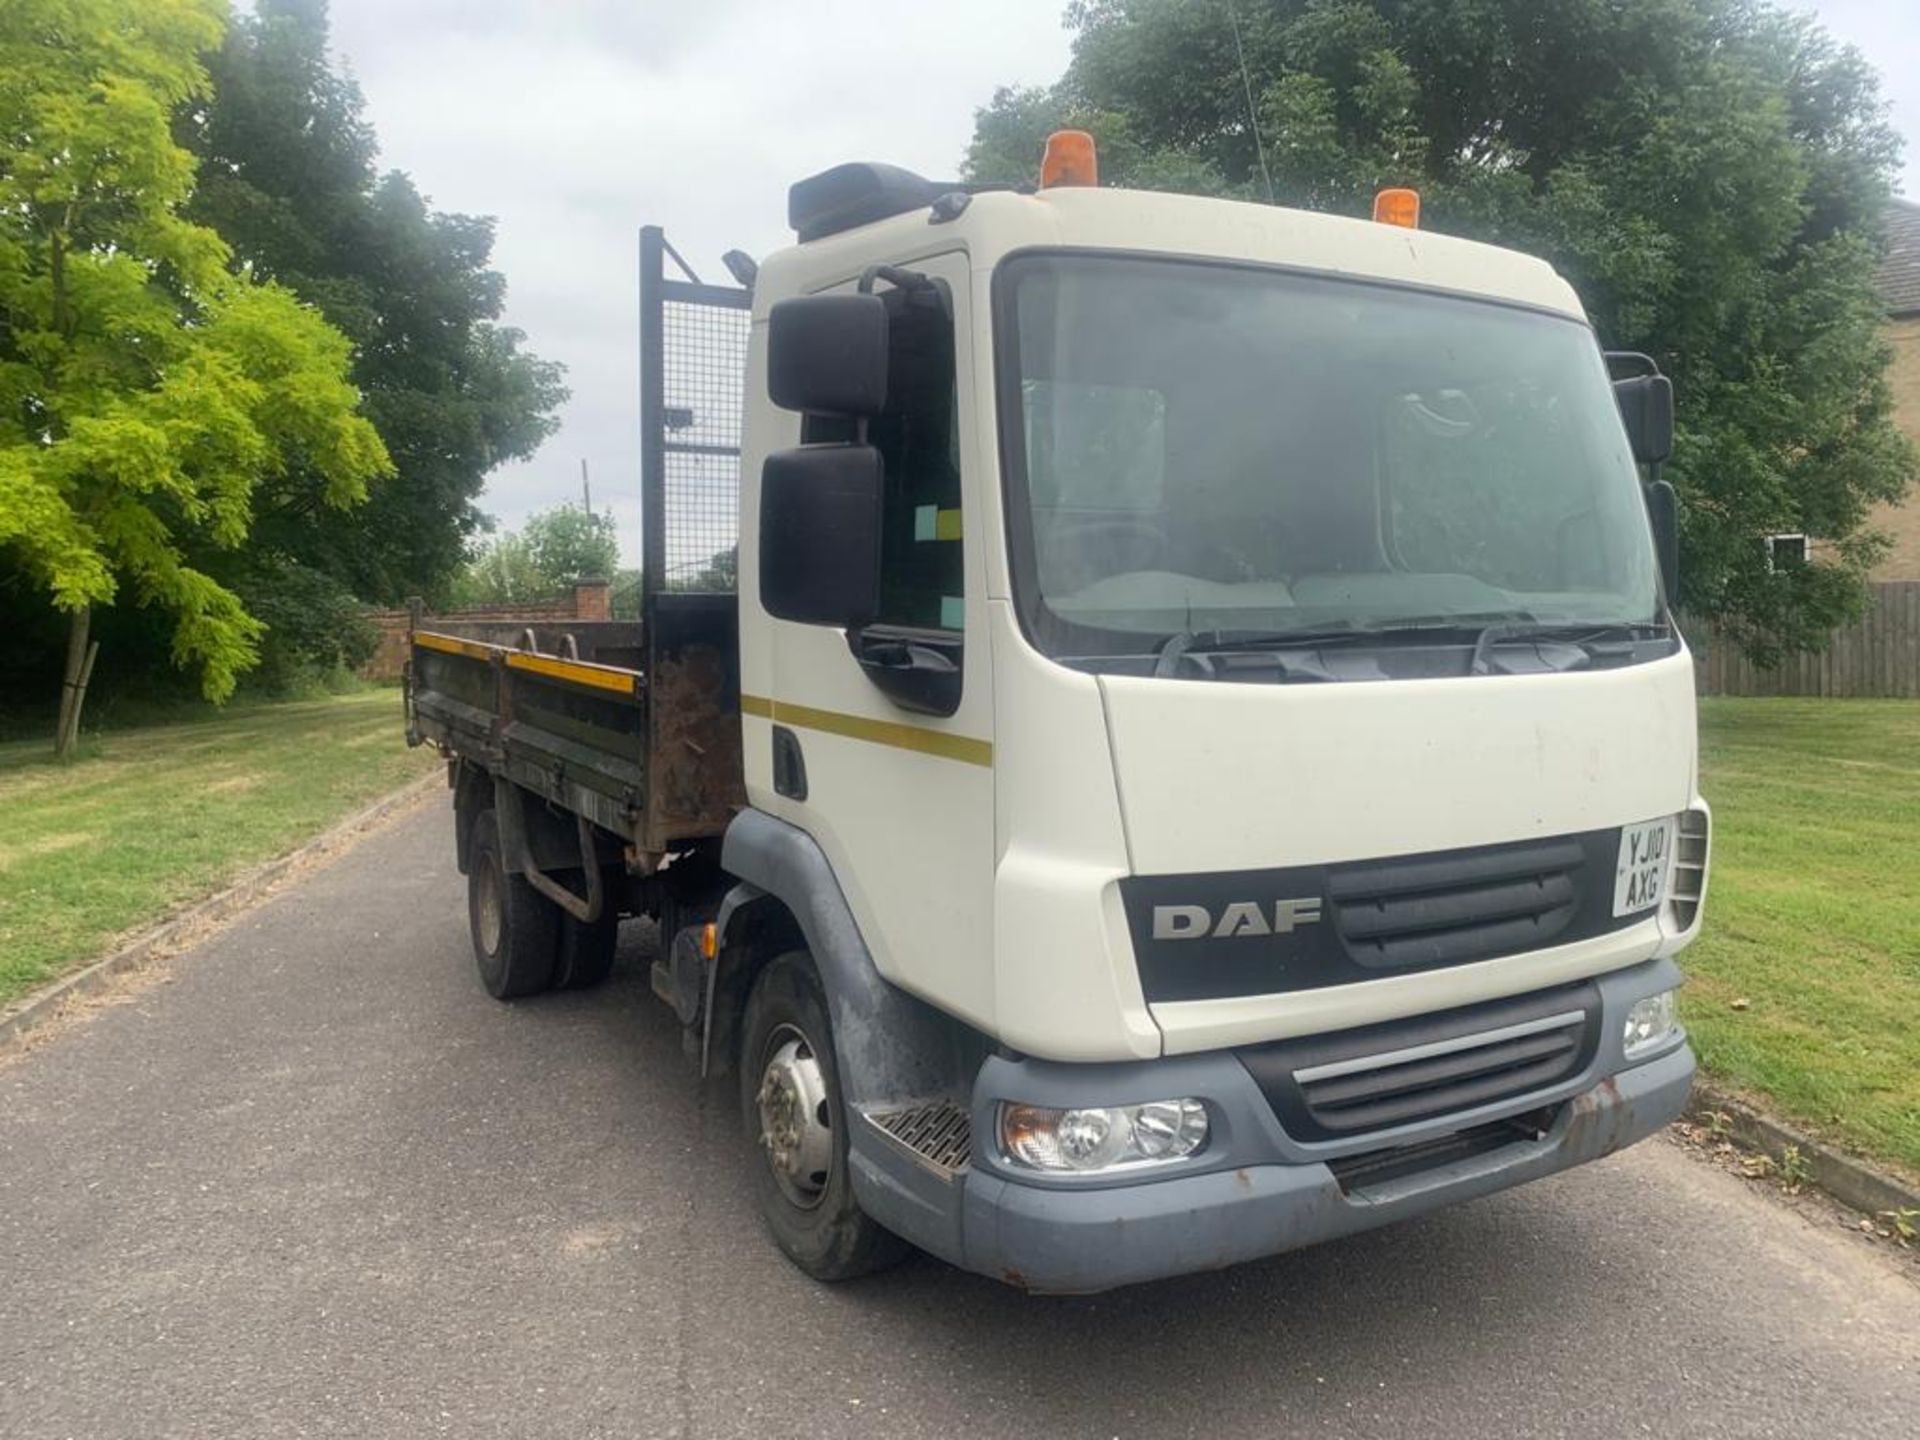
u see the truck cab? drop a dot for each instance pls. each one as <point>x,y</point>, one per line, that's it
<point>1216,765</point>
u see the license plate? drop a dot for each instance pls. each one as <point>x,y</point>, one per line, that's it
<point>1640,874</point>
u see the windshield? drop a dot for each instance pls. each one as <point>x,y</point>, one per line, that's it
<point>1200,448</point>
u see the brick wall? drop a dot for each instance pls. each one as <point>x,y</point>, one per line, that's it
<point>592,600</point>
<point>1902,521</point>
<point>589,601</point>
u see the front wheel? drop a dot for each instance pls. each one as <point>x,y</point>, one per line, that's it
<point>790,1103</point>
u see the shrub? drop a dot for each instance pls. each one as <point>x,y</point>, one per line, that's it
<point>317,629</point>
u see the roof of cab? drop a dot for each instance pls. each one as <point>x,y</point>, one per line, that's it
<point>994,224</point>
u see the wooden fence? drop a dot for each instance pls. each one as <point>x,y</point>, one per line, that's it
<point>1878,656</point>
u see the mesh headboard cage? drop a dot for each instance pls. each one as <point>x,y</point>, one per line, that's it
<point>693,361</point>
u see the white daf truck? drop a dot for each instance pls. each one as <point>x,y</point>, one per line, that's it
<point>1156,735</point>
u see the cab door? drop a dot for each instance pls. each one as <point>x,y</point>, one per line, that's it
<point>882,738</point>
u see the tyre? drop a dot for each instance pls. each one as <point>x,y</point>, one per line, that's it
<point>516,929</point>
<point>586,950</point>
<point>791,1107</point>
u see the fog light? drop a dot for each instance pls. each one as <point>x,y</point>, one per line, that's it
<point>1112,1137</point>
<point>1650,1024</point>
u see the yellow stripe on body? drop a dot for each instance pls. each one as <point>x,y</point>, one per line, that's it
<point>447,643</point>
<point>963,748</point>
<point>601,677</point>
<point>579,672</point>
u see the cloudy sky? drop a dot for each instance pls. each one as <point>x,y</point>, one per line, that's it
<point>577,121</point>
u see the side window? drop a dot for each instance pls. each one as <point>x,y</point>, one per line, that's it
<point>919,444</point>
<point>1786,552</point>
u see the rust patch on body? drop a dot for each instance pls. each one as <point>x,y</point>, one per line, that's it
<point>697,781</point>
<point>1603,1114</point>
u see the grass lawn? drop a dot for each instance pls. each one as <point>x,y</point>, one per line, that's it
<point>150,820</point>
<point>1805,983</point>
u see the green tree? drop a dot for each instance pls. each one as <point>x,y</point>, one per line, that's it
<point>720,573</point>
<point>500,571</point>
<point>626,593</point>
<point>316,630</point>
<point>289,181</point>
<point>148,393</point>
<point>569,543</point>
<point>1709,174</point>
<point>542,559</point>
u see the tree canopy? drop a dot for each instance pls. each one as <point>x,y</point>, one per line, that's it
<point>150,395</point>
<point>288,178</point>
<point>1709,174</point>
<point>540,560</point>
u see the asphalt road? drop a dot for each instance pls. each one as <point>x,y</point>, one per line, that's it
<point>316,1183</point>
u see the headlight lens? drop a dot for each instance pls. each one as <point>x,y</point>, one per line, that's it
<point>1113,1137</point>
<point>1650,1023</point>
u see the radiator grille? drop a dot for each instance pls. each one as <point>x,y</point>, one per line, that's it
<point>1406,1072</point>
<point>1211,935</point>
<point>1448,910</point>
<point>1397,1088</point>
<point>939,1132</point>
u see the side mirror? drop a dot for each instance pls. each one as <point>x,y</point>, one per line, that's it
<point>1646,405</point>
<point>1663,513</point>
<point>820,535</point>
<point>828,353</point>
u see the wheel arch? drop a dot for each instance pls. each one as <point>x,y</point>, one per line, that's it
<point>890,1045</point>
<point>752,929</point>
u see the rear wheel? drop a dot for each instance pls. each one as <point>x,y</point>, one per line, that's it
<point>586,949</point>
<point>516,929</point>
<point>790,1103</point>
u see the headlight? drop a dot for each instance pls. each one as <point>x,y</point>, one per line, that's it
<point>1109,1138</point>
<point>1650,1024</point>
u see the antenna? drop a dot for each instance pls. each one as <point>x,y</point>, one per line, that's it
<point>1246,88</point>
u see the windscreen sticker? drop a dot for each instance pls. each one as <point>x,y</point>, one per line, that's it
<point>930,522</point>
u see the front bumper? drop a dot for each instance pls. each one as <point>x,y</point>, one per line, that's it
<point>1060,1240</point>
<point>1255,1191</point>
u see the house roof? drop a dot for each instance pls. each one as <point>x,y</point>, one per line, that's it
<point>1899,277</point>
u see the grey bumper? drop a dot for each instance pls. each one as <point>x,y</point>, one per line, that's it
<point>1066,1240</point>
<point>1255,1190</point>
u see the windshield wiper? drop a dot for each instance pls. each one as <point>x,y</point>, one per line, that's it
<point>1177,646</point>
<point>1585,635</point>
<point>1346,633</point>
<point>1479,663</point>
<point>1343,633</point>
<point>1484,631</point>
